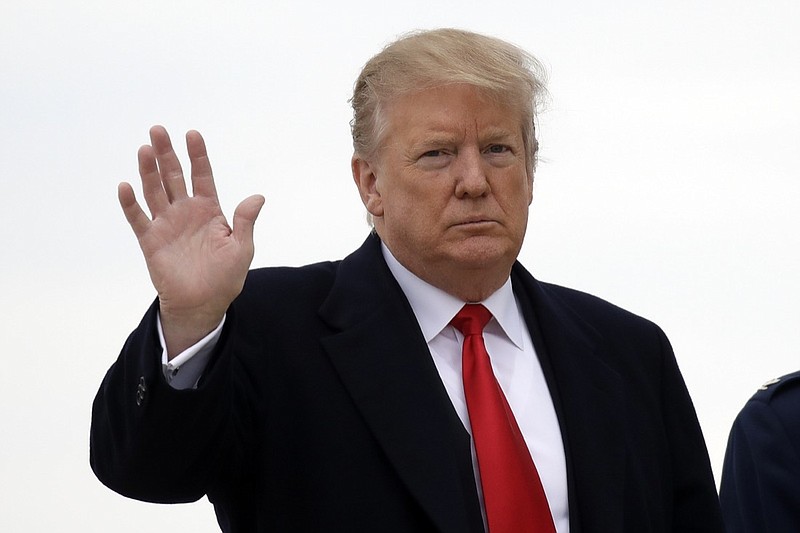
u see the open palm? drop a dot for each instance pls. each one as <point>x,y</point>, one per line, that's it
<point>197,262</point>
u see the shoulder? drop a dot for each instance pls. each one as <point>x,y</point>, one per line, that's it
<point>771,414</point>
<point>287,287</point>
<point>293,278</point>
<point>580,323</point>
<point>768,426</point>
<point>588,304</point>
<point>781,394</point>
<point>582,308</point>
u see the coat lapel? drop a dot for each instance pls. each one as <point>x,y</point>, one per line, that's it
<point>383,360</point>
<point>588,398</point>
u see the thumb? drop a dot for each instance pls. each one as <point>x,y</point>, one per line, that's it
<point>244,217</point>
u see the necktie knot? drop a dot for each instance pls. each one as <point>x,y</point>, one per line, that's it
<point>471,319</point>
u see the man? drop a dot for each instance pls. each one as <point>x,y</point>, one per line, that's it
<point>760,489</point>
<point>424,383</point>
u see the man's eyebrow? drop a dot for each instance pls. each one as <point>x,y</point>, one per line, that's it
<point>435,135</point>
<point>436,139</point>
<point>498,134</point>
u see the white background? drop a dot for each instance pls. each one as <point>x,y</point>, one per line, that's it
<point>668,184</point>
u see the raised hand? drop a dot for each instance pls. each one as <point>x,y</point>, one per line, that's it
<point>197,262</point>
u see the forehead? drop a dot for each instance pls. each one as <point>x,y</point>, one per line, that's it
<point>450,109</point>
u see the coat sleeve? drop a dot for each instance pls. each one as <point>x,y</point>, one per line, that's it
<point>760,489</point>
<point>151,442</point>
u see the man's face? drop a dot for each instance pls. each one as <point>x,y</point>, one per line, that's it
<point>448,189</point>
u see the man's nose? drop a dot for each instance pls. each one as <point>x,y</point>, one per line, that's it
<point>470,174</point>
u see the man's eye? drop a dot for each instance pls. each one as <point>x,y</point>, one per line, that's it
<point>497,149</point>
<point>432,153</point>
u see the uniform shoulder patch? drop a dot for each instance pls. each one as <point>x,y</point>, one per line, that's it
<point>769,383</point>
<point>779,385</point>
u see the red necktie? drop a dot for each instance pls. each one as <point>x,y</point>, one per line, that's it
<point>512,492</point>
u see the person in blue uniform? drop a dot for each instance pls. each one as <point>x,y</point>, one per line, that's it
<point>760,488</point>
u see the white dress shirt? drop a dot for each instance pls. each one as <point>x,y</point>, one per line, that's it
<point>516,368</point>
<point>514,361</point>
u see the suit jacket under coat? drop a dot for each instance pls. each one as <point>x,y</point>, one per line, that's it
<point>323,411</point>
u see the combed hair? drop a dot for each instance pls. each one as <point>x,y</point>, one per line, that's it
<point>426,59</point>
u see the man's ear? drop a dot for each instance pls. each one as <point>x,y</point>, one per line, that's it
<point>364,174</point>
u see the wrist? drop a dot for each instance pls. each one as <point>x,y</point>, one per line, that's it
<point>182,330</point>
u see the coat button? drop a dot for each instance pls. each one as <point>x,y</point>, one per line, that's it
<point>141,391</point>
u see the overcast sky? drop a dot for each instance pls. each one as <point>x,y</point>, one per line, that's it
<point>669,185</point>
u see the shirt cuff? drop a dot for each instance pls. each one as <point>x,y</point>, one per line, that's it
<point>186,368</point>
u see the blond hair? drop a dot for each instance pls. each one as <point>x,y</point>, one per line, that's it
<point>434,58</point>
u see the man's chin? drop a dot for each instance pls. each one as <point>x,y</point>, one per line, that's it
<point>483,253</point>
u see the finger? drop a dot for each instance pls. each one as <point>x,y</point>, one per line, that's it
<point>154,193</point>
<point>136,217</point>
<point>244,218</point>
<point>202,177</point>
<point>168,164</point>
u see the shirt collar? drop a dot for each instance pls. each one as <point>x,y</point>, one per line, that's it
<point>434,308</point>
